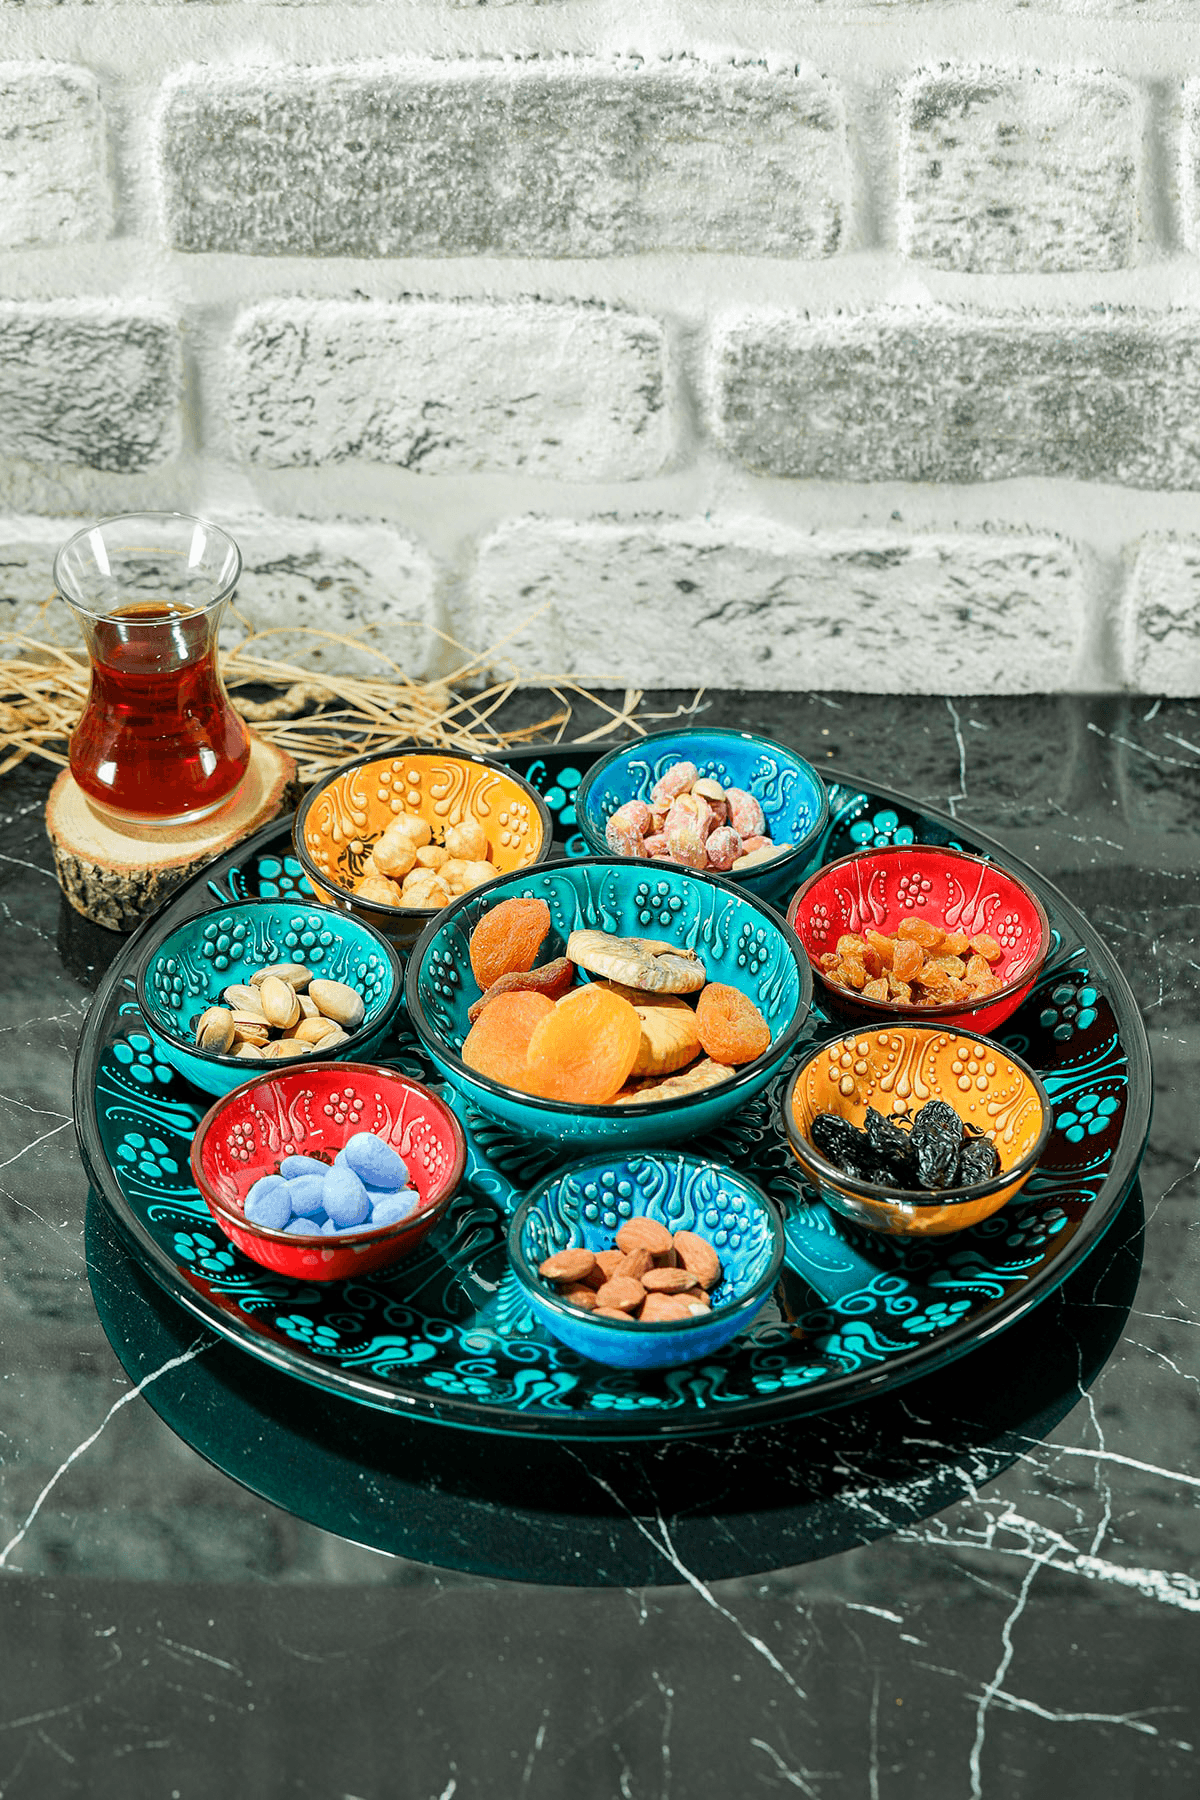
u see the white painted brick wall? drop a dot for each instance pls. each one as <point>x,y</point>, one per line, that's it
<point>930,394</point>
<point>721,330</point>
<point>1024,169</point>
<point>53,181</point>
<point>566,157</point>
<point>1161,617</point>
<point>570,392</point>
<point>670,602</point>
<point>90,382</point>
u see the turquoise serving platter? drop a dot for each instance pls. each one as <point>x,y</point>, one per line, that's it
<point>449,1336</point>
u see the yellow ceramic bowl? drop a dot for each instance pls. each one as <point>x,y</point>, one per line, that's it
<point>896,1069</point>
<point>341,818</point>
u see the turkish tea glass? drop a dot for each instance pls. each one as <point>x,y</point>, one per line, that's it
<point>159,742</point>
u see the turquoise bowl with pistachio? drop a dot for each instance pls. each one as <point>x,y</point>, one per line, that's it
<point>184,970</point>
<point>742,941</point>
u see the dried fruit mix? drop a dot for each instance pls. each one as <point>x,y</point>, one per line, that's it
<point>922,965</point>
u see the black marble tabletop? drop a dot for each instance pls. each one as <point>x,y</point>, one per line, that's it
<point>984,1584</point>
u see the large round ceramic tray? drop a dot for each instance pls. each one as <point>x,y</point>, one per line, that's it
<point>447,1337</point>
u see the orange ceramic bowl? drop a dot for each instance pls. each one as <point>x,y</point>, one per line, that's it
<point>340,820</point>
<point>896,1069</point>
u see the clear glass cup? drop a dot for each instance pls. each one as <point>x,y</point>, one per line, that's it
<point>159,742</point>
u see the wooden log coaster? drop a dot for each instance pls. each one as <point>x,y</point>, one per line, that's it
<point>117,874</point>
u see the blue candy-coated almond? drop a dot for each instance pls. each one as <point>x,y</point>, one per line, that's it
<point>268,1203</point>
<point>389,1209</point>
<point>306,1195</point>
<point>374,1161</point>
<point>344,1197</point>
<point>293,1166</point>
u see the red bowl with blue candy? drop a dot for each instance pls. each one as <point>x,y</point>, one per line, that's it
<point>324,1170</point>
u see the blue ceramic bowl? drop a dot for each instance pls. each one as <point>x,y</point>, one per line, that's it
<point>183,971</point>
<point>584,1207</point>
<point>743,942</point>
<point>790,791</point>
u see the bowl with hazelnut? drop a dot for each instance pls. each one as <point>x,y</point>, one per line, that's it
<point>394,838</point>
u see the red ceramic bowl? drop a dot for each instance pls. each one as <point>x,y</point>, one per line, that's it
<point>311,1109</point>
<point>880,888</point>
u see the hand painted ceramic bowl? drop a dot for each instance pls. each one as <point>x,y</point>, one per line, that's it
<point>583,1207</point>
<point>896,1069</point>
<point>742,941</point>
<point>341,818</point>
<point>183,971</point>
<point>878,889</point>
<point>311,1109</point>
<point>790,791</point>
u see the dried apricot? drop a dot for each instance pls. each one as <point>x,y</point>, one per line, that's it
<point>583,1050</point>
<point>508,938</point>
<point>731,1028</point>
<point>552,979</point>
<point>498,1042</point>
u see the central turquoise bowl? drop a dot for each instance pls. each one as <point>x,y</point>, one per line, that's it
<point>742,941</point>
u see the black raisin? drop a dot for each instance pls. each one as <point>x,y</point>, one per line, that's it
<point>977,1161</point>
<point>936,1137</point>
<point>893,1150</point>
<point>844,1144</point>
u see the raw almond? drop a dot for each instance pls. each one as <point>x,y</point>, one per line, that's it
<point>580,1295</point>
<point>643,1234</point>
<point>568,1265</point>
<point>668,1281</point>
<point>622,1293</point>
<point>664,1306</point>
<point>635,1264</point>
<point>697,1255</point>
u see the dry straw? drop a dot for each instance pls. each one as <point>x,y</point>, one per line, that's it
<point>318,718</point>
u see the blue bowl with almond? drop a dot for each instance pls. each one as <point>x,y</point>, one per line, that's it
<point>712,1239</point>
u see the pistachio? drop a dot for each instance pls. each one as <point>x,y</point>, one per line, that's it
<point>214,1029</point>
<point>315,1031</point>
<point>250,1052</point>
<point>294,973</point>
<point>279,1003</point>
<point>239,995</point>
<point>339,1002</point>
<point>283,1049</point>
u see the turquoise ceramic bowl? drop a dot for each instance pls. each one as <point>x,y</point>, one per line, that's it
<point>583,1207</point>
<point>742,941</point>
<point>790,791</point>
<point>183,971</point>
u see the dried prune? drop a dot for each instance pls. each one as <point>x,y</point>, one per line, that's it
<point>978,1160</point>
<point>936,1137</point>
<point>893,1148</point>
<point>844,1145</point>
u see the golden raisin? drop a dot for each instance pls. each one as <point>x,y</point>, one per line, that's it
<point>508,938</point>
<point>732,1030</point>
